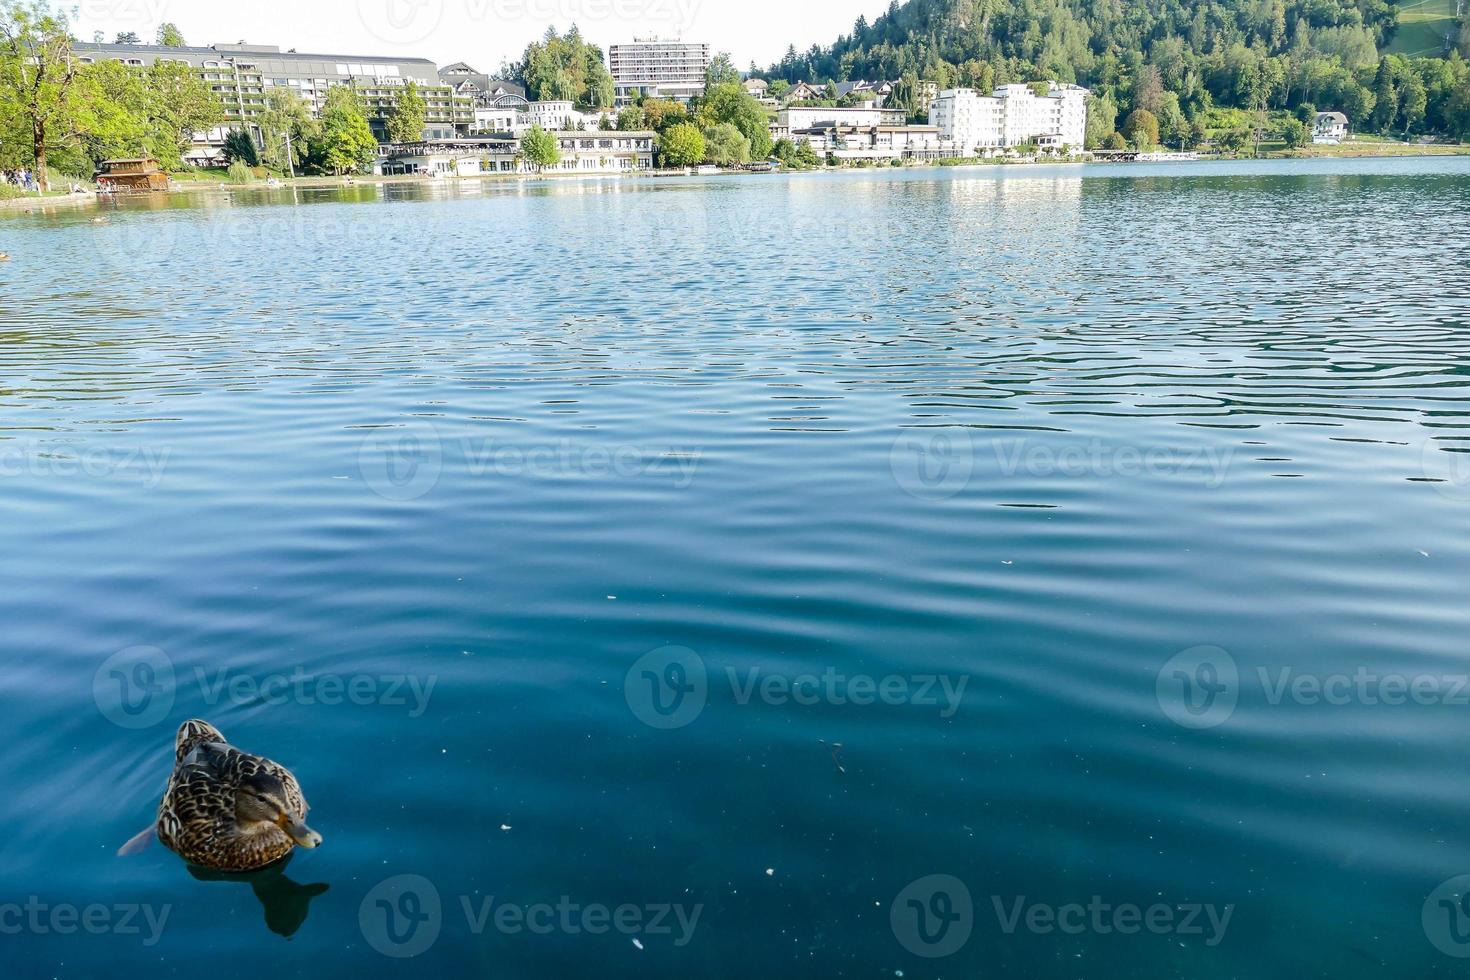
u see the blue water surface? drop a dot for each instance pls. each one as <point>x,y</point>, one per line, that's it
<point>823,575</point>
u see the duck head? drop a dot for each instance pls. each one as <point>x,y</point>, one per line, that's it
<point>260,802</point>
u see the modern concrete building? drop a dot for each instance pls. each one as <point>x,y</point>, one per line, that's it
<point>877,143</point>
<point>241,74</point>
<point>1011,116</point>
<point>659,69</point>
<point>583,153</point>
<point>792,120</point>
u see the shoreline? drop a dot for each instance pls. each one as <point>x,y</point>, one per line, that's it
<point>1370,151</point>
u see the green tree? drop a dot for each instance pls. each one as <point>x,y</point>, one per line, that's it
<point>540,148</point>
<point>1413,100</point>
<point>408,116</point>
<point>1295,133</point>
<point>111,120</point>
<point>40,98</point>
<point>287,121</point>
<point>346,143</point>
<point>170,36</point>
<point>1115,141</point>
<point>1385,94</point>
<point>1232,141</point>
<point>660,114</point>
<point>729,103</point>
<point>725,145</point>
<point>127,37</point>
<point>806,157</point>
<point>1141,128</point>
<point>630,118</point>
<point>565,68</point>
<point>721,71</point>
<point>239,147</point>
<point>682,145</point>
<point>1102,119</point>
<point>179,104</point>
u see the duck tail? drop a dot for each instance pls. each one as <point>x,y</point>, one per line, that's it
<point>193,733</point>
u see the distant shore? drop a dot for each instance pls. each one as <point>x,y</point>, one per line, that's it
<point>1351,150</point>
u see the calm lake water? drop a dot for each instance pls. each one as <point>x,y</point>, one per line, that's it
<point>1115,521</point>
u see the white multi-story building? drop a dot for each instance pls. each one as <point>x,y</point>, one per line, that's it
<point>794,118</point>
<point>583,153</point>
<point>1011,116</point>
<point>876,143</point>
<point>660,69</point>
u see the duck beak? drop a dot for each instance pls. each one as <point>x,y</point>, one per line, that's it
<point>300,832</point>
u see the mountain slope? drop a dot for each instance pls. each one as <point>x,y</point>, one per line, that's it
<point>1184,56</point>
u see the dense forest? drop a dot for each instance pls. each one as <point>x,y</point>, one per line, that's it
<point>1179,60</point>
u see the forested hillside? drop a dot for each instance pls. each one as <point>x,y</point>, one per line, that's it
<point>1177,59</point>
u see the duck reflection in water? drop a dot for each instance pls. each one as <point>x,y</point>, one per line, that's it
<point>286,902</point>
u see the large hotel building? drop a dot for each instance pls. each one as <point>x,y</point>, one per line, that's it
<point>1011,116</point>
<point>240,75</point>
<point>659,69</point>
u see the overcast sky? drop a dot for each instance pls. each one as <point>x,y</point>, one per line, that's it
<point>481,32</point>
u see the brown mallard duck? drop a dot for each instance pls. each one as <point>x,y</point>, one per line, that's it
<point>229,810</point>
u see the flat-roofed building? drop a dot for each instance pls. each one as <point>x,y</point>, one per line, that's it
<point>587,153</point>
<point>1010,116</point>
<point>658,69</point>
<point>793,120</point>
<point>241,75</point>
